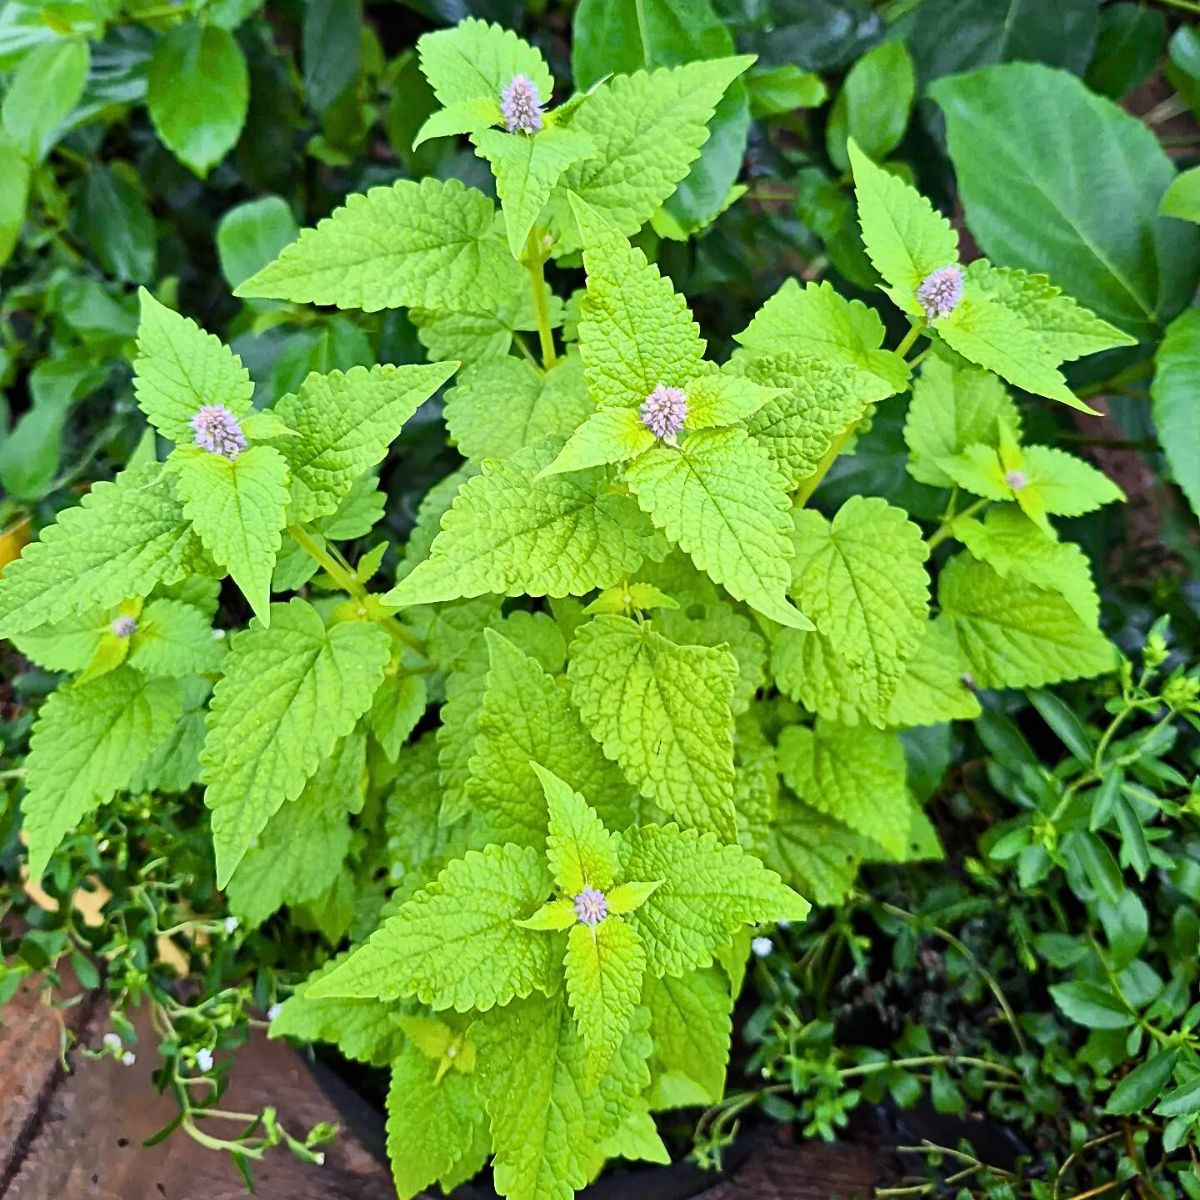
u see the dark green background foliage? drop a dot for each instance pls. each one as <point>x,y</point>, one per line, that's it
<point>181,147</point>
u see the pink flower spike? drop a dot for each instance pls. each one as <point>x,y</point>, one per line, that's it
<point>940,292</point>
<point>521,105</point>
<point>591,906</point>
<point>665,410</point>
<point>217,431</point>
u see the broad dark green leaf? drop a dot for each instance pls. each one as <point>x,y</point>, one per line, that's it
<point>1175,397</point>
<point>1132,38</point>
<point>332,49</point>
<point>815,35</point>
<point>949,36</point>
<point>873,105</point>
<point>199,90</point>
<point>1183,66</point>
<point>1057,179</point>
<point>14,170</point>
<point>116,223</point>
<point>1097,861</point>
<point>783,90</point>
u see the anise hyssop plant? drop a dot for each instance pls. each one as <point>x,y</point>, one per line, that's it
<point>628,689</point>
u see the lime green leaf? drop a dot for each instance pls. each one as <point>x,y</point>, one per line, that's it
<point>198,93</point>
<point>691,1027</point>
<point>365,1030</point>
<point>121,540</point>
<point>862,578</point>
<point>637,597</point>
<point>89,739</point>
<point>853,774</point>
<point>398,706</point>
<point>648,129</point>
<point>535,404</point>
<point>526,170</point>
<point>476,59</point>
<point>175,766</point>
<point>816,853</point>
<point>1173,393</point>
<point>635,330</point>
<point>604,968</point>
<point>580,851</point>
<point>525,718</point>
<point>814,322</point>
<point>431,244</point>
<point>628,897</point>
<point>662,712</point>
<point>301,850</point>
<point>179,368</point>
<point>708,892</point>
<point>456,943</point>
<point>637,1139</point>
<point>820,401</point>
<point>1022,327</point>
<point>546,1121</point>
<point>1015,634</point>
<point>237,507</point>
<point>174,639</point>
<point>612,435</point>
<point>952,408</point>
<point>289,693</point>
<point>42,92</point>
<point>511,533</point>
<point>696,494</point>
<point>430,1121</point>
<point>905,237</point>
<point>934,685</point>
<point>1012,544</point>
<point>70,644</point>
<point>344,424</point>
<point>464,116</point>
<point>718,400</point>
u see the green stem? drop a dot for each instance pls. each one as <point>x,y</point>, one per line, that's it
<point>15,773</point>
<point>947,528</point>
<point>927,1060</point>
<point>918,328</point>
<point>1114,383</point>
<point>810,485</point>
<point>349,582</point>
<point>1184,5</point>
<point>534,264</point>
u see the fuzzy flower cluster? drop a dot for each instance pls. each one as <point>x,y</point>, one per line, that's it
<point>940,292</point>
<point>521,105</point>
<point>217,431</point>
<point>1016,480</point>
<point>665,410</point>
<point>124,627</point>
<point>591,906</point>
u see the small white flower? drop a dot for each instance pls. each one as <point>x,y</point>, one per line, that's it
<point>784,924</point>
<point>218,635</point>
<point>230,924</point>
<point>112,1041</point>
<point>762,946</point>
<point>129,1058</point>
<point>274,1011</point>
<point>204,1059</point>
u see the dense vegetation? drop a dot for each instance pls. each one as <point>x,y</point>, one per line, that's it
<point>631,565</point>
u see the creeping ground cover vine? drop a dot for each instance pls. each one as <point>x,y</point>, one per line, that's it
<point>625,693</point>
